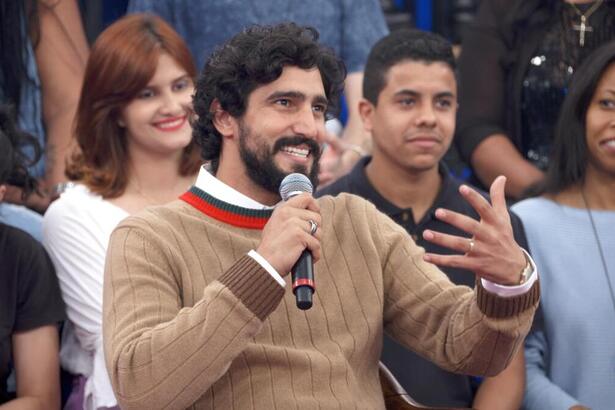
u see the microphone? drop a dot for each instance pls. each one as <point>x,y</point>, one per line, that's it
<point>303,270</point>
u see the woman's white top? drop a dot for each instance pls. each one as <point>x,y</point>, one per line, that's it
<point>76,231</point>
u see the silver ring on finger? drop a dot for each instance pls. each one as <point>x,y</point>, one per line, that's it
<point>313,227</point>
<point>471,246</point>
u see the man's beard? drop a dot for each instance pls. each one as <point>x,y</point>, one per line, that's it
<point>260,164</point>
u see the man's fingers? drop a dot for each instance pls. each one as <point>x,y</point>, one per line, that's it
<point>313,229</point>
<point>461,262</point>
<point>313,244</point>
<point>308,216</point>
<point>498,195</point>
<point>303,201</point>
<point>452,261</point>
<point>303,206</point>
<point>460,221</point>
<point>478,202</point>
<point>457,243</point>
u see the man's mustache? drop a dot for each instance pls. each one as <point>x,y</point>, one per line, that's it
<point>297,140</point>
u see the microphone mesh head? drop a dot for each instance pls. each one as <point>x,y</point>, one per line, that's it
<point>294,184</point>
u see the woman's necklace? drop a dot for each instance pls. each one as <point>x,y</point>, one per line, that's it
<point>583,27</point>
<point>148,199</point>
<point>597,238</point>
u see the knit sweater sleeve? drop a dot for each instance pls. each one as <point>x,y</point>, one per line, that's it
<point>158,354</point>
<point>460,329</point>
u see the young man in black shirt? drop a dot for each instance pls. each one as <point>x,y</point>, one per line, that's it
<point>409,106</point>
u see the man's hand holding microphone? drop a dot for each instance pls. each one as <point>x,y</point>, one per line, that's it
<point>291,238</point>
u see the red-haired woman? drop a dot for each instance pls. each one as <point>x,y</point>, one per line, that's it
<point>136,150</point>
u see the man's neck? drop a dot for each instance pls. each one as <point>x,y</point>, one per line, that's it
<point>404,188</point>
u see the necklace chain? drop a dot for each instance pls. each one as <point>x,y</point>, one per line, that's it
<point>152,201</point>
<point>149,199</point>
<point>583,27</point>
<point>589,12</point>
<point>599,244</point>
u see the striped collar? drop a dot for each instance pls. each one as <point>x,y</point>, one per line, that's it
<point>224,211</point>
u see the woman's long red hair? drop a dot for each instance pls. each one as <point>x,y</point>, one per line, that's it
<point>122,62</point>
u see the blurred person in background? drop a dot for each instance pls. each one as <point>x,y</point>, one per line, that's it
<point>135,150</point>
<point>43,51</point>
<point>515,66</point>
<point>30,301</point>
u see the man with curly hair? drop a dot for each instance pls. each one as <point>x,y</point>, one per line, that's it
<point>196,311</point>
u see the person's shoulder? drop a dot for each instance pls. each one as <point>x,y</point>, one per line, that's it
<point>14,239</point>
<point>20,247</point>
<point>536,213</point>
<point>77,198</point>
<point>156,218</point>
<point>79,209</point>
<point>347,203</point>
<point>340,185</point>
<point>534,206</point>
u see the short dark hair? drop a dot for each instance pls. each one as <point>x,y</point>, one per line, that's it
<point>569,158</point>
<point>252,58</point>
<point>14,161</point>
<point>402,45</point>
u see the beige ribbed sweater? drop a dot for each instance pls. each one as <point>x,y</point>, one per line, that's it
<point>191,320</point>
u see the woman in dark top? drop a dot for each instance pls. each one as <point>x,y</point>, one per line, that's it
<point>515,67</point>
<point>30,302</point>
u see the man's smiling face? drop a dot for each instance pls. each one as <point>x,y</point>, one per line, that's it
<point>283,127</point>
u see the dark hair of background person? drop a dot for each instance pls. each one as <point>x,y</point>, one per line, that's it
<point>13,163</point>
<point>253,58</point>
<point>570,153</point>
<point>122,61</point>
<point>402,45</point>
<point>13,40</point>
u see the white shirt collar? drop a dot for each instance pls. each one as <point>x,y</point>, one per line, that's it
<point>219,190</point>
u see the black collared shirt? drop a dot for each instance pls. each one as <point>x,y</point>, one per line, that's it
<point>423,380</point>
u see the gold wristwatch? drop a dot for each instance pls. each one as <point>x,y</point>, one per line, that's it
<point>527,270</point>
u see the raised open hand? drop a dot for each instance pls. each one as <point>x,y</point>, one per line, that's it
<point>491,252</point>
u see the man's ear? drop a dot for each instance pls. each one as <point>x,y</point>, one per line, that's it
<point>366,111</point>
<point>224,122</point>
<point>2,191</point>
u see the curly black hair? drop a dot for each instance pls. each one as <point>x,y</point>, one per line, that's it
<point>252,58</point>
<point>14,162</point>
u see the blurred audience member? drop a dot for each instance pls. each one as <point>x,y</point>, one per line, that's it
<point>516,63</point>
<point>409,107</point>
<point>42,57</point>
<point>136,150</point>
<point>349,27</point>
<point>30,302</point>
<point>570,233</point>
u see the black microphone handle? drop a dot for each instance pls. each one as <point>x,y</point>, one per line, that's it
<point>303,280</point>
